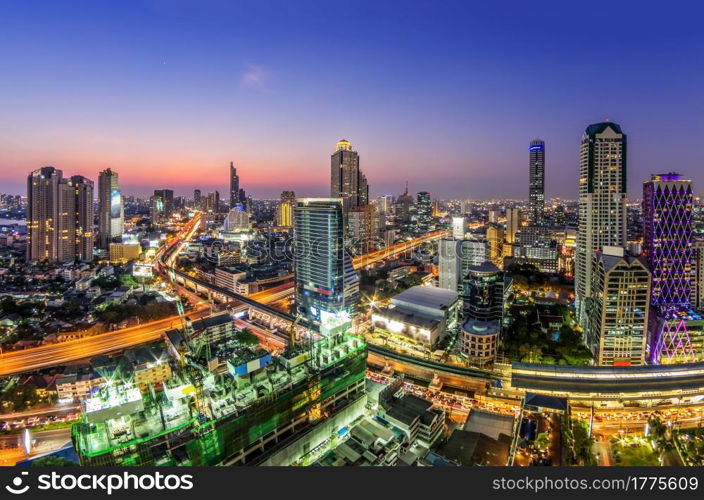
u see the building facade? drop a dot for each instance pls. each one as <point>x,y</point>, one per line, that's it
<point>618,308</point>
<point>162,207</point>
<point>234,186</point>
<point>424,212</point>
<point>536,193</point>
<point>59,216</point>
<point>667,238</point>
<point>287,204</point>
<point>346,179</point>
<point>326,282</point>
<point>602,202</point>
<point>111,211</point>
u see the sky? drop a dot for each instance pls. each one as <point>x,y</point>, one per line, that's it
<point>445,95</point>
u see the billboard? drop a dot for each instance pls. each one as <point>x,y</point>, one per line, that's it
<point>115,204</point>
<point>143,271</point>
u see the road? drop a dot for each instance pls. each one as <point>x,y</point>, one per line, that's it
<point>74,350</point>
<point>397,249</point>
<point>12,447</point>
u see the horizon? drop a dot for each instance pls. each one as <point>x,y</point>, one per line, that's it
<point>447,97</point>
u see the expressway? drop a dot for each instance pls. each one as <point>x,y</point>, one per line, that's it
<point>397,249</point>
<point>73,350</point>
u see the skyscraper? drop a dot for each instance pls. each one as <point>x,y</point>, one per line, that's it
<point>667,246</point>
<point>234,186</point>
<point>83,214</point>
<point>59,216</point>
<point>212,202</point>
<point>360,229</point>
<point>602,202</point>
<point>197,199</point>
<point>697,297</point>
<point>42,213</point>
<point>162,207</point>
<point>536,193</point>
<point>327,286</point>
<point>619,309</point>
<point>458,228</point>
<point>110,208</point>
<point>424,211</point>
<point>346,179</point>
<point>667,238</point>
<point>287,204</point>
<point>513,223</point>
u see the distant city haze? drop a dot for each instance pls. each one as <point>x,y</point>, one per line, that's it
<point>445,95</point>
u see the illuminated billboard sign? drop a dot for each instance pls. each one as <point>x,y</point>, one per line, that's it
<point>115,203</point>
<point>143,270</point>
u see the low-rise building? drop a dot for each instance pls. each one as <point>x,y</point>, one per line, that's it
<point>422,313</point>
<point>75,386</point>
<point>124,252</point>
<point>479,341</point>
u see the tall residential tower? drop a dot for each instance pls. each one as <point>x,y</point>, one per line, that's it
<point>346,179</point>
<point>110,208</point>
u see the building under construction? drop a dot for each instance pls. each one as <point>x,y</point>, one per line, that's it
<point>237,406</point>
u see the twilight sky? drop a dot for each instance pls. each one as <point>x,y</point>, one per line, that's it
<point>446,95</point>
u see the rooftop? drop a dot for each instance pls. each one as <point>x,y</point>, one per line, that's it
<point>426,296</point>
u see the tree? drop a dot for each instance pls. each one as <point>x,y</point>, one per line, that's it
<point>53,462</point>
<point>246,337</point>
<point>583,443</point>
<point>542,441</point>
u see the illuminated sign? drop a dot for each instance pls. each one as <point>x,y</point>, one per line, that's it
<point>143,270</point>
<point>115,204</point>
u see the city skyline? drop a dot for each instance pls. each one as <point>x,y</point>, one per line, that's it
<point>172,114</point>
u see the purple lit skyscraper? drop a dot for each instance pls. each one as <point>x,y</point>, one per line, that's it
<point>667,238</point>
<point>667,246</point>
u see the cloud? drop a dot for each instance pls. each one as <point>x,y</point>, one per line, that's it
<point>253,77</point>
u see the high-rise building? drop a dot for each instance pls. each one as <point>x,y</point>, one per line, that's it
<point>667,247</point>
<point>404,208</point>
<point>384,204</point>
<point>697,298</point>
<point>436,208</point>
<point>483,292</point>
<point>536,193</point>
<point>234,186</point>
<point>111,212</point>
<point>602,203</point>
<point>59,216</point>
<point>327,286</point>
<point>482,312</point>
<point>455,257</point>
<point>42,213</point>
<point>162,208</point>
<point>346,179</point>
<point>212,202</point>
<point>513,223</point>
<point>458,228</point>
<point>424,211</point>
<point>495,238</point>
<point>360,229</point>
<point>667,238</point>
<point>83,213</point>
<point>287,204</point>
<point>620,293</point>
<point>197,199</point>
